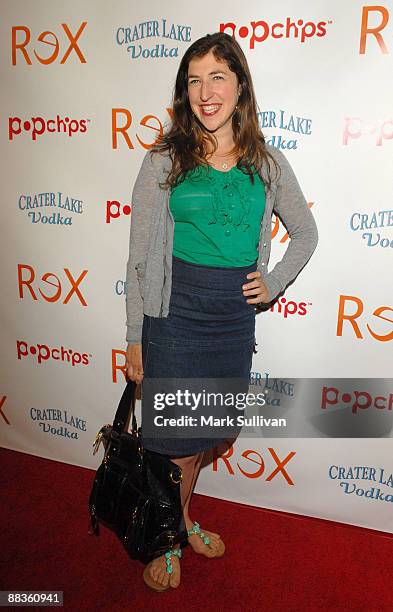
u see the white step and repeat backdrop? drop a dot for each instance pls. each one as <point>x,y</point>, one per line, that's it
<point>86,89</point>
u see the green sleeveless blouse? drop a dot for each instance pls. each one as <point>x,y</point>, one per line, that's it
<point>217,217</point>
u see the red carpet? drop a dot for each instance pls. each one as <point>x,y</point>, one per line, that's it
<point>274,561</point>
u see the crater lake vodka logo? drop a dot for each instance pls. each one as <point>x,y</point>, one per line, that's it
<point>372,483</point>
<point>375,227</point>
<point>293,127</point>
<point>275,389</point>
<point>58,422</point>
<point>50,208</point>
<point>155,39</point>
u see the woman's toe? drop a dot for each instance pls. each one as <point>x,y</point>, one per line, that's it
<point>214,539</point>
<point>153,572</point>
<point>175,581</point>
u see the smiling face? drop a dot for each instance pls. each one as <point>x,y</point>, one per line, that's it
<point>213,91</point>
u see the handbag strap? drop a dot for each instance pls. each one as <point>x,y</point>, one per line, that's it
<point>127,403</point>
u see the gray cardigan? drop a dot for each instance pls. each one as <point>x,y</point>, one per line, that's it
<point>152,228</point>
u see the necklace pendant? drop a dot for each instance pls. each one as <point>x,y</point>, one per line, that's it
<point>224,166</point>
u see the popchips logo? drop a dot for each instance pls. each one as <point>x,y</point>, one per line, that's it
<point>289,307</point>
<point>375,131</point>
<point>114,209</point>
<point>43,352</point>
<point>38,126</point>
<point>358,400</point>
<point>260,31</point>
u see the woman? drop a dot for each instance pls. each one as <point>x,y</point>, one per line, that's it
<point>199,248</point>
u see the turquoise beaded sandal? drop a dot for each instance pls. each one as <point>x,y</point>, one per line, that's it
<point>196,529</point>
<point>157,586</point>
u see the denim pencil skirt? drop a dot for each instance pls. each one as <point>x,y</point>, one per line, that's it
<point>209,333</point>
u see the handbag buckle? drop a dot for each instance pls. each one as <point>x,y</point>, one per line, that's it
<point>98,438</point>
<point>171,540</point>
<point>174,480</point>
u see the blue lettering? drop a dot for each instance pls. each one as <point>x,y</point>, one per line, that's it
<point>351,223</point>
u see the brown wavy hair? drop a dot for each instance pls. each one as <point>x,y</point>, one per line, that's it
<point>186,140</point>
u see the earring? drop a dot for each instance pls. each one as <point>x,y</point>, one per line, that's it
<point>239,117</point>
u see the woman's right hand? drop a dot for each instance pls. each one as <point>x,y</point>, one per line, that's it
<point>134,365</point>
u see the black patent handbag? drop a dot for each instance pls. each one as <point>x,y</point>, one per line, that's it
<point>136,492</point>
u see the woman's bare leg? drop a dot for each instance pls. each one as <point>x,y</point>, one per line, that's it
<point>190,469</point>
<point>158,567</point>
<point>195,540</point>
<point>197,467</point>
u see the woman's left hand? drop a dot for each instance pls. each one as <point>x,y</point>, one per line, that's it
<point>257,289</point>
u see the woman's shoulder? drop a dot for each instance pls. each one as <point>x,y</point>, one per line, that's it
<point>157,161</point>
<point>281,160</point>
<point>277,155</point>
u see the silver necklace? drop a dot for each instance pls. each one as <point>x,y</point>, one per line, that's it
<point>224,165</point>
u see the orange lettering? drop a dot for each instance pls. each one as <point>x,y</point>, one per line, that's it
<point>280,466</point>
<point>49,38</point>
<point>350,318</point>
<point>56,296</point>
<point>1,409</point>
<point>260,471</point>
<point>55,53</point>
<point>365,30</point>
<point>116,367</point>
<point>377,312</point>
<point>73,44</point>
<point>21,46</point>
<point>276,226</point>
<point>47,278</point>
<point>74,286</point>
<point>152,122</point>
<point>224,457</point>
<point>27,282</point>
<point>159,129</point>
<point>123,129</point>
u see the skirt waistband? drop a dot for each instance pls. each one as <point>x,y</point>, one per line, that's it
<point>215,277</point>
<point>183,262</point>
